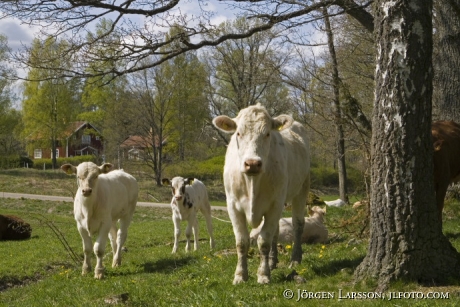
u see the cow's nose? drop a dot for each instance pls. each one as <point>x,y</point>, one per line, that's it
<point>87,191</point>
<point>252,166</point>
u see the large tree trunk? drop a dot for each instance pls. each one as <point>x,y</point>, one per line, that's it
<point>340,139</point>
<point>446,91</point>
<point>406,240</point>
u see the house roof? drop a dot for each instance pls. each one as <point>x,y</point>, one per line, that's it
<point>70,130</point>
<point>76,126</point>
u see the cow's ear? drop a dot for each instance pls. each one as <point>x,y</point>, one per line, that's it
<point>69,169</point>
<point>166,181</point>
<point>189,181</point>
<point>105,168</point>
<point>224,123</point>
<point>437,145</point>
<point>282,122</point>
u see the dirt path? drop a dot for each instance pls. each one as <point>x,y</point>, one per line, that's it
<point>70,199</point>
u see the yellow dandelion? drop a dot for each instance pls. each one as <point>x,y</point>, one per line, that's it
<point>288,246</point>
<point>323,246</point>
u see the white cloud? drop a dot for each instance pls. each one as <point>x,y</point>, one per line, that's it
<point>17,33</point>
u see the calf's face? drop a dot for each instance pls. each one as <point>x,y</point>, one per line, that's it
<point>87,174</point>
<point>177,186</point>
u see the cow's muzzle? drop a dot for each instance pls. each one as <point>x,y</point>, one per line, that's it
<point>252,167</point>
<point>86,192</point>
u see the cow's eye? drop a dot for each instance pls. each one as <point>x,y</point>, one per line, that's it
<point>238,134</point>
<point>268,134</point>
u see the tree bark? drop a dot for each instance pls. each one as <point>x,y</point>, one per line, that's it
<point>340,139</point>
<point>406,240</point>
<point>446,91</point>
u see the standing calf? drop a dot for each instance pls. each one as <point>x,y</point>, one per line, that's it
<point>102,199</point>
<point>267,165</point>
<point>189,196</point>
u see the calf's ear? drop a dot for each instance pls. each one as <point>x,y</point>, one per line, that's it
<point>69,169</point>
<point>166,181</point>
<point>224,124</point>
<point>282,122</point>
<point>105,168</point>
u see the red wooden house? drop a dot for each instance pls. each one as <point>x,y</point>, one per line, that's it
<point>80,138</point>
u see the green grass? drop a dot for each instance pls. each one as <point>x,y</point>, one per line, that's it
<point>40,272</point>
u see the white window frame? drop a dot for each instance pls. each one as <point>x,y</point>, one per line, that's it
<point>38,153</point>
<point>86,139</point>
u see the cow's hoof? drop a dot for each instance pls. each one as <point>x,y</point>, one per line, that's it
<point>239,279</point>
<point>263,279</point>
<point>99,273</point>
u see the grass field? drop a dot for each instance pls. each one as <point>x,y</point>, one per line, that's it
<point>41,271</point>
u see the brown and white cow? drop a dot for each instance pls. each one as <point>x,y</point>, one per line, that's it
<point>189,195</point>
<point>446,158</point>
<point>267,164</point>
<point>103,198</point>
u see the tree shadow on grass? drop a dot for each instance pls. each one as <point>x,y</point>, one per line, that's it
<point>166,265</point>
<point>333,267</point>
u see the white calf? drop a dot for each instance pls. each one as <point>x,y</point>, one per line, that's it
<point>102,199</point>
<point>189,196</point>
<point>314,230</point>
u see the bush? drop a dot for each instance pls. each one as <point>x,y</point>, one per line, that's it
<point>15,161</point>
<point>210,169</point>
<point>48,163</point>
<point>322,176</point>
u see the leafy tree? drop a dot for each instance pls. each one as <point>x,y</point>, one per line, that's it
<point>51,104</point>
<point>104,99</point>
<point>247,71</point>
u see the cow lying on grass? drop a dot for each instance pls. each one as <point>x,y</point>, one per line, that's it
<point>314,230</point>
<point>102,199</point>
<point>267,165</point>
<point>189,197</point>
<point>14,228</point>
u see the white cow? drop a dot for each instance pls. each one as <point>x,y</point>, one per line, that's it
<point>314,230</point>
<point>102,199</point>
<point>335,203</point>
<point>189,197</point>
<point>267,164</point>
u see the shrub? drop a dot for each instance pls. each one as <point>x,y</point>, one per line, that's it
<point>209,169</point>
<point>48,164</point>
<point>15,161</point>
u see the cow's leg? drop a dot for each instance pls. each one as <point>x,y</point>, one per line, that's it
<point>441,190</point>
<point>196,233</point>
<point>188,231</point>
<point>240,229</point>
<point>273,258</point>
<point>113,238</point>
<point>298,222</point>
<point>122,234</point>
<point>207,214</point>
<point>87,249</point>
<point>99,249</point>
<point>176,221</point>
<point>265,242</point>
